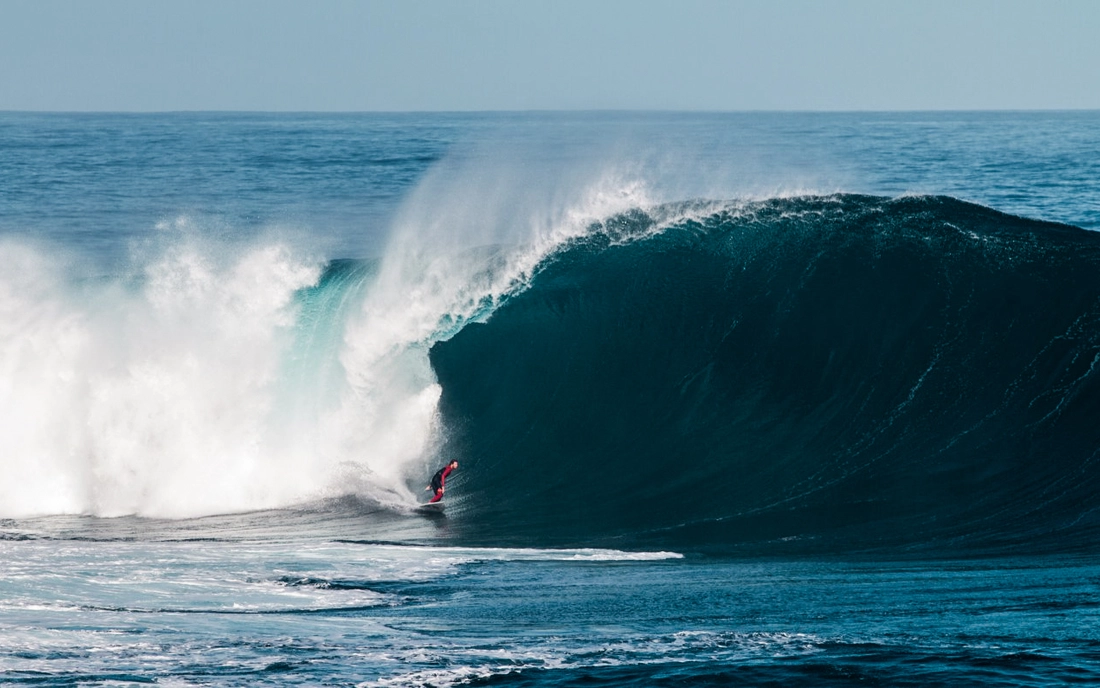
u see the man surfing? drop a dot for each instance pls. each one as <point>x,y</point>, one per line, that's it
<point>439,479</point>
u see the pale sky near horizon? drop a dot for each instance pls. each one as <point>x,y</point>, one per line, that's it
<point>370,55</point>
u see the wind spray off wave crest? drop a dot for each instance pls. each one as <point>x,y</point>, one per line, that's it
<point>219,379</point>
<point>463,243</point>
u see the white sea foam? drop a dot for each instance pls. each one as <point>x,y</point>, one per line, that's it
<point>471,554</point>
<point>164,393</point>
<point>147,577</point>
<point>151,399</point>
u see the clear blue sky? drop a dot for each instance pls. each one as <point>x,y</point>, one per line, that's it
<point>337,55</point>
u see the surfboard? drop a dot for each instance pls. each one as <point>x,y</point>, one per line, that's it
<point>431,508</point>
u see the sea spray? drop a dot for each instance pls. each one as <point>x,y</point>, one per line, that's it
<point>220,377</point>
<point>454,256</point>
<point>42,341</point>
<point>150,395</point>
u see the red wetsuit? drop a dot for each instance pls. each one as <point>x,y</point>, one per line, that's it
<point>442,480</point>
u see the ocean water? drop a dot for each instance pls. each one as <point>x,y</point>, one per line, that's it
<point>759,398</point>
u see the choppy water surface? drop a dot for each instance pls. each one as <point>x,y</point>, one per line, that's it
<point>304,613</point>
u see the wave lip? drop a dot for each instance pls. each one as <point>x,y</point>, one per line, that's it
<point>815,373</point>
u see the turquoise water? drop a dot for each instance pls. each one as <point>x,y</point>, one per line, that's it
<point>773,399</point>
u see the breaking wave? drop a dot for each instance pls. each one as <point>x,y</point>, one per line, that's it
<point>816,372</point>
<point>807,372</point>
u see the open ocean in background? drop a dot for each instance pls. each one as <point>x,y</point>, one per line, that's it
<point>751,398</point>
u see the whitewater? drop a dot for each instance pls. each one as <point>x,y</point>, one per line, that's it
<point>799,398</point>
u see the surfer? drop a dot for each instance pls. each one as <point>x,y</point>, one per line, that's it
<point>439,479</point>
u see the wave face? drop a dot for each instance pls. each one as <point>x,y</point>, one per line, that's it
<point>842,372</point>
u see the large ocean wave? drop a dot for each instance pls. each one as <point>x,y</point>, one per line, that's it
<point>808,373</point>
<point>812,372</point>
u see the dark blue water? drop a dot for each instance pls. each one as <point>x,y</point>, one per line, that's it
<point>841,372</point>
<point>103,180</point>
<point>772,399</point>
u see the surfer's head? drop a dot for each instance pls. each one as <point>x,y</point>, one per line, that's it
<point>453,464</point>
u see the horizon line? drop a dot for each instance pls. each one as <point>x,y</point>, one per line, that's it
<point>554,111</point>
